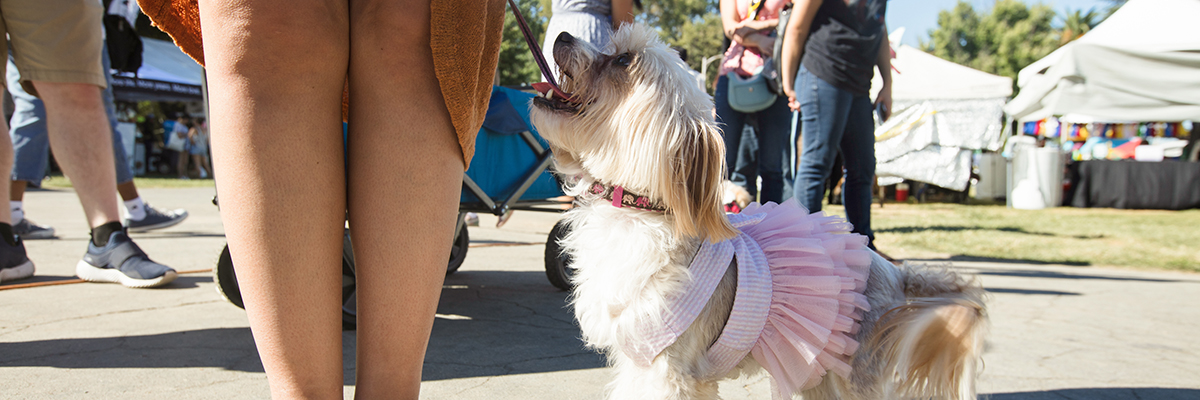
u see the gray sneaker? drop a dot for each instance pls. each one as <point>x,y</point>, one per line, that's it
<point>28,230</point>
<point>156,219</point>
<point>14,264</point>
<point>122,261</point>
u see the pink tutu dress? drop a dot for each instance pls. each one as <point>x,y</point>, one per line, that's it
<point>799,297</point>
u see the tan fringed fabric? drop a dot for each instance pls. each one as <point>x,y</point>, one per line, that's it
<point>465,43</point>
<point>466,48</point>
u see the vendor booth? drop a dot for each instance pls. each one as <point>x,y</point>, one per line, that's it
<point>1127,89</point>
<point>166,74</point>
<point>942,113</point>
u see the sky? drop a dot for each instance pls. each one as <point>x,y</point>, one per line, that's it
<point>920,16</point>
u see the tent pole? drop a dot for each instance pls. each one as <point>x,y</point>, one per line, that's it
<point>204,93</point>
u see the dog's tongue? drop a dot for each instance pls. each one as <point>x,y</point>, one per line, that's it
<point>544,87</point>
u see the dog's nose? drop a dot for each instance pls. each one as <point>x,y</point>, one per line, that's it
<point>564,39</point>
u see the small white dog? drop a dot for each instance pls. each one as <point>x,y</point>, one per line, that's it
<point>679,295</point>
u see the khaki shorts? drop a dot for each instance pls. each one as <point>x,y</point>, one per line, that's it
<point>54,40</point>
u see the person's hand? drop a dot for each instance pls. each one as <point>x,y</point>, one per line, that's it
<point>766,45</point>
<point>792,102</point>
<point>743,30</point>
<point>763,43</point>
<point>885,99</point>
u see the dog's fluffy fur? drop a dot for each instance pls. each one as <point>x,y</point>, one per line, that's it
<point>636,119</point>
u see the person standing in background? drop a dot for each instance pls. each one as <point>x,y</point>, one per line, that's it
<point>179,134</point>
<point>592,21</point>
<point>830,51</point>
<point>751,43</point>
<point>31,147</point>
<point>62,66</point>
<point>198,147</point>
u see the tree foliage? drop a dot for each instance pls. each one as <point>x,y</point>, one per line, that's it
<point>516,65</point>
<point>694,25</point>
<point>1002,41</point>
<point>1076,23</point>
<point>1008,37</point>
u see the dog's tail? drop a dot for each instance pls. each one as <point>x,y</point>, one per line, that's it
<point>933,343</point>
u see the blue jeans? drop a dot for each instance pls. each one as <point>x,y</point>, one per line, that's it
<point>772,128</point>
<point>31,140</point>
<point>831,118</point>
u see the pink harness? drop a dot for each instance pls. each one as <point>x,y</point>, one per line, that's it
<point>799,297</point>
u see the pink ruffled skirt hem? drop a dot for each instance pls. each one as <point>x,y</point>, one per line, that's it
<point>818,272</point>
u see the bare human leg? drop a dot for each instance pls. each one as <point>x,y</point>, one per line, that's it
<point>401,146</point>
<point>181,165</point>
<point>80,138</point>
<point>16,189</point>
<point>276,71</point>
<point>6,166</point>
<point>127,190</point>
<point>201,170</point>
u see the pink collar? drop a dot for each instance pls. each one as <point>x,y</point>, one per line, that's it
<point>620,198</point>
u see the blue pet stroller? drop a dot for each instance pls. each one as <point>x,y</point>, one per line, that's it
<point>509,172</point>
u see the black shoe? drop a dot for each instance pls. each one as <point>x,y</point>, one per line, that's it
<point>156,219</point>
<point>28,230</point>
<point>14,264</point>
<point>122,261</point>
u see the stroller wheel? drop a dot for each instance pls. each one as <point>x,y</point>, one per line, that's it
<point>458,252</point>
<point>558,265</point>
<point>226,279</point>
<point>225,276</point>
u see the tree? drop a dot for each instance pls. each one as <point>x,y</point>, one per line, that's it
<point>1113,6</point>
<point>1076,23</point>
<point>1009,37</point>
<point>694,25</point>
<point>516,61</point>
<point>701,39</point>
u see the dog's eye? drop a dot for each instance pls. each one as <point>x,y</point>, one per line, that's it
<point>622,60</point>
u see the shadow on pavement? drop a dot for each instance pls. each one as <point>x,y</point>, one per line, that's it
<point>494,323</point>
<point>501,323</point>
<point>1029,291</point>
<point>228,348</point>
<point>914,229</point>
<point>963,257</point>
<point>1060,275</point>
<point>175,235</point>
<point>1100,394</point>
<point>39,279</point>
<point>489,323</point>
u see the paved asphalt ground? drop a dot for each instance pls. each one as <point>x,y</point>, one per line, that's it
<point>503,332</point>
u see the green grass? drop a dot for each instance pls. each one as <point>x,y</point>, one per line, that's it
<point>61,182</point>
<point>1143,239</point>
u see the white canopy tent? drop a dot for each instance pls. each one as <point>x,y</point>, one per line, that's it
<point>1141,64</point>
<point>166,74</point>
<point>942,112</point>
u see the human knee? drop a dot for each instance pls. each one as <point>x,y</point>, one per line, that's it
<point>69,97</point>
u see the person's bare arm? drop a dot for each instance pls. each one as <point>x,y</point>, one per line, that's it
<point>794,38</point>
<point>729,18</point>
<point>884,62</point>
<point>761,24</point>
<point>746,33</point>
<point>622,13</point>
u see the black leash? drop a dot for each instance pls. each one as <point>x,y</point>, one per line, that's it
<point>533,46</point>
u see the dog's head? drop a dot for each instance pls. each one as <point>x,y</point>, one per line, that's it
<point>633,116</point>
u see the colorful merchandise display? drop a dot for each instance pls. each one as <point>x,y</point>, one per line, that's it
<point>1100,140</point>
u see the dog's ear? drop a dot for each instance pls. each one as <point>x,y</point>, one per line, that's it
<point>694,198</point>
